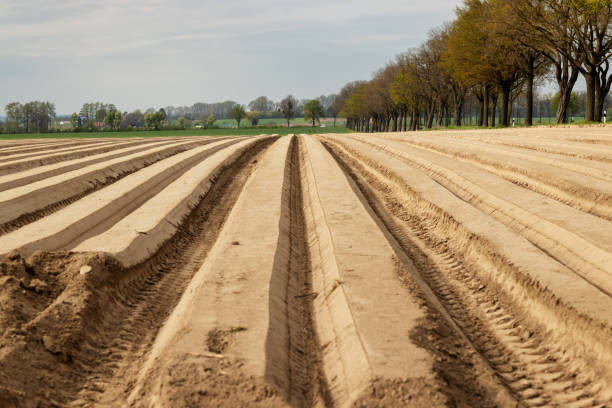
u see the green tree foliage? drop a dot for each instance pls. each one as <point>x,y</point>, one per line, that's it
<point>313,111</point>
<point>74,120</point>
<point>238,113</point>
<point>210,121</point>
<point>254,116</point>
<point>113,119</point>
<point>492,54</point>
<point>33,117</point>
<point>572,106</point>
<point>154,120</point>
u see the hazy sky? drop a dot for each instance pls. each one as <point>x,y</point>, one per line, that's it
<point>154,53</point>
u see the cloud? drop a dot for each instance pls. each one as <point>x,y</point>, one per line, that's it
<point>193,49</point>
<point>41,28</point>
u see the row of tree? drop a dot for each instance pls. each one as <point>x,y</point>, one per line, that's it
<point>40,116</point>
<point>261,107</point>
<point>32,117</point>
<point>492,53</point>
<point>312,110</point>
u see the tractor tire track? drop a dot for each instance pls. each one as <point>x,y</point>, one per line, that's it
<point>537,371</point>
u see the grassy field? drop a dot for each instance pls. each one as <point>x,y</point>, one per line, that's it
<point>190,132</point>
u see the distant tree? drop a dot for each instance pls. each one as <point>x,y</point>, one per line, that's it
<point>14,117</point>
<point>134,119</point>
<point>572,105</point>
<point>74,120</point>
<point>313,111</point>
<point>238,113</point>
<point>154,120</point>
<point>254,117</point>
<point>210,122</point>
<point>327,103</point>
<point>101,114</point>
<point>37,116</point>
<point>261,104</point>
<point>113,119</point>
<point>181,122</point>
<point>288,107</point>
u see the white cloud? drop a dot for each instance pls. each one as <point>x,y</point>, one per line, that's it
<point>199,45</point>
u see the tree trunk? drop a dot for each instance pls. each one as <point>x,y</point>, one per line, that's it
<point>566,75</point>
<point>485,107</point>
<point>529,96</point>
<point>494,108</point>
<point>458,113</point>
<point>602,87</point>
<point>431,109</point>
<point>505,104</point>
<point>415,118</point>
<point>589,112</point>
<point>440,117</point>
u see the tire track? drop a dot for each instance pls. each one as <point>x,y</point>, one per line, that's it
<point>578,195</point>
<point>154,288</point>
<point>306,382</point>
<point>536,370</point>
<point>591,262</point>
<point>110,332</point>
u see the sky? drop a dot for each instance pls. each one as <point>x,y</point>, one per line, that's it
<point>139,54</point>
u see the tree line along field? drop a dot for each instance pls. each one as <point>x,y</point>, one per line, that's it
<point>462,268</point>
<point>488,62</point>
<point>180,133</point>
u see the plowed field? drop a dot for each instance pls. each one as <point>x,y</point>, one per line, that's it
<point>426,269</point>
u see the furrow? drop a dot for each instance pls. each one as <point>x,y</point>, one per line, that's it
<point>23,205</point>
<point>367,352</point>
<point>55,150</point>
<point>38,173</point>
<point>217,342</point>
<point>589,260</point>
<point>102,338</point>
<point>10,167</point>
<point>138,235</point>
<point>528,358</point>
<point>29,148</point>
<point>583,192</point>
<point>306,385</point>
<point>98,211</point>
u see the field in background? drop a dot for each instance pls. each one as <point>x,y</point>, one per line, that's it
<point>190,132</point>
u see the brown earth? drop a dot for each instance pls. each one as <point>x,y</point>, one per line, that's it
<point>463,268</point>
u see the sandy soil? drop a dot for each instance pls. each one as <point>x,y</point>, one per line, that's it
<point>463,268</point>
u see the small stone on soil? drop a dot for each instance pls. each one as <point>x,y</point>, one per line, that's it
<point>51,344</point>
<point>85,269</point>
<point>37,285</point>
